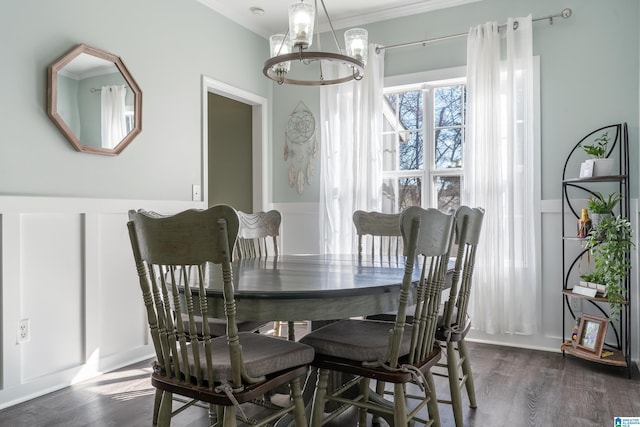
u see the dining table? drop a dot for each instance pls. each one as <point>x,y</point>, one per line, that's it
<point>309,287</point>
<point>317,288</point>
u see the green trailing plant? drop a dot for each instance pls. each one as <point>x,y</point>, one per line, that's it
<point>610,244</point>
<point>600,204</point>
<point>599,147</point>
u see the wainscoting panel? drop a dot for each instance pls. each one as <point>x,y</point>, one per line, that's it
<point>300,230</point>
<point>51,292</point>
<point>66,265</point>
<point>123,324</point>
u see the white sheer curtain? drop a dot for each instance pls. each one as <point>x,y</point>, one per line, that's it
<point>499,171</point>
<point>112,114</point>
<point>351,154</point>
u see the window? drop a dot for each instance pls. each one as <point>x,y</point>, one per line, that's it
<point>129,118</point>
<point>424,128</point>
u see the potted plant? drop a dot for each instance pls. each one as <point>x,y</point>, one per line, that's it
<point>602,165</point>
<point>601,205</point>
<point>610,244</point>
<point>594,281</point>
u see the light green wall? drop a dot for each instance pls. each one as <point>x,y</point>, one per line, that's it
<point>285,100</point>
<point>589,72</point>
<point>589,77</point>
<point>167,45</point>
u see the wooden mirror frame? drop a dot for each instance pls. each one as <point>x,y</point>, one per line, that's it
<point>52,99</point>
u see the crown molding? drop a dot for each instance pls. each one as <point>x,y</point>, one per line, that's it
<point>241,17</point>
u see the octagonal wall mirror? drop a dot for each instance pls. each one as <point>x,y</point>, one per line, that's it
<point>94,100</point>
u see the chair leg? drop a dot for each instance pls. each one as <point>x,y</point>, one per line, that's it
<point>432,404</point>
<point>379,391</point>
<point>229,417</point>
<point>219,415</point>
<point>454,383</point>
<point>291,331</point>
<point>317,409</point>
<point>364,391</point>
<point>156,406</point>
<point>466,370</point>
<point>298,402</point>
<point>399,406</point>
<point>164,415</point>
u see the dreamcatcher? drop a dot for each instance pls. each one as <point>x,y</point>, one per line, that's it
<point>300,146</point>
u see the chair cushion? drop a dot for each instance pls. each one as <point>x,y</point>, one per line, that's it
<point>391,315</point>
<point>262,355</point>
<point>218,327</point>
<point>360,340</point>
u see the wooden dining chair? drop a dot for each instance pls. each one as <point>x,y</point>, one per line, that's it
<point>378,235</point>
<point>379,238</point>
<point>396,353</point>
<point>258,234</point>
<point>258,237</point>
<point>455,323</point>
<point>217,327</point>
<point>226,371</point>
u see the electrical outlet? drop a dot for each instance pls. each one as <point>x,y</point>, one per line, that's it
<point>24,333</point>
<point>195,192</point>
<point>575,304</point>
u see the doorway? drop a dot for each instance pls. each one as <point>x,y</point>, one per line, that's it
<point>230,171</point>
<point>235,166</point>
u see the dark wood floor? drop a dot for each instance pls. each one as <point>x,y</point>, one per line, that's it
<point>515,387</point>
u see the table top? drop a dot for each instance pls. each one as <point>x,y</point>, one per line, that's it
<point>309,287</point>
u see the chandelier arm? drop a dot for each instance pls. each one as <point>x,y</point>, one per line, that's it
<point>333,32</point>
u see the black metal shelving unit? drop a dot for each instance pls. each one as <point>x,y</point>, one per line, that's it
<point>574,255</point>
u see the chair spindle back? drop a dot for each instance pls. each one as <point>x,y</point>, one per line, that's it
<point>427,234</point>
<point>258,234</point>
<point>384,230</point>
<point>467,233</point>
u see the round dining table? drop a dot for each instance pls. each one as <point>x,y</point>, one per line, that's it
<point>309,287</point>
<point>317,288</point>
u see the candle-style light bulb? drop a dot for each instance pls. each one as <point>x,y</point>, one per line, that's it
<point>301,20</point>
<point>356,43</point>
<point>280,45</point>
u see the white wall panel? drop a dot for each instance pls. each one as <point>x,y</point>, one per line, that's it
<point>122,322</point>
<point>52,292</point>
<point>300,231</point>
<point>66,265</point>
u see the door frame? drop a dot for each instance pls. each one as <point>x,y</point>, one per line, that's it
<point>259,142</point>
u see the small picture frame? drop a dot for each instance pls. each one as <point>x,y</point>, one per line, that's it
<point>586,169</point>
<point>591,333</point>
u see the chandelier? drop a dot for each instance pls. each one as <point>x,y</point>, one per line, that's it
<point>292,49</point>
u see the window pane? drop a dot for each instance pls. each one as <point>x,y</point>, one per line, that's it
<point>447,189</point>
<point>411,151</point>
<point>448,106</point>
<point>392,99</point>
<point>400,193</point>
<point>448,148</point>
<point>411,109</point>
<point>389,191</point>
<point>409,192</point>
<point>389,152</point>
